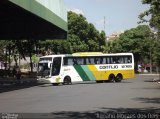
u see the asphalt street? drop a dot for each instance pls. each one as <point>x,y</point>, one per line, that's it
<point>85,100</point>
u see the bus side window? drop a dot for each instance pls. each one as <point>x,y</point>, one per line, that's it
<point>114,61</point>
<point>90,60</point>
<point>74,61</point>
<point>129,59</point>
<point>120,60</point>
<point>70,61</point>
<point>125,59</point>
<point>80,61</point>
<point>65,61</point>
<point>117,60</point>
<point>104,60</point>
<point>108,60</point>
<point>101,60</point>
<point>97,60</point>
<point>87,61</point>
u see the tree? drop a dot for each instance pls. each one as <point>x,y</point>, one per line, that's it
<point>3,44</point>
<point>76,44</point>
<point>154,21</point>
<point>82,35</point>
<point>136,40</point>
<point>35,59</point>
<point>77,25</point>
<point>153,12</point>
<point>55,46</point>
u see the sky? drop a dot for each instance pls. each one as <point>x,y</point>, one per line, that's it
<point>119,15</point>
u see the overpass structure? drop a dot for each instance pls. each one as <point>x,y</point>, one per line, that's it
<point>33,19</point>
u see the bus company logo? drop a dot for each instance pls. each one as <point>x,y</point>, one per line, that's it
<point>109,67</point>
<point>67,69</point>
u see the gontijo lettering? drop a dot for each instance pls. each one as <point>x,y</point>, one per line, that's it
<point>109,67</point>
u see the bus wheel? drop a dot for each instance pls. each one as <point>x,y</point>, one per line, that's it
<point>67,80</point>
<point>119,78</point>
<point>111,78</point>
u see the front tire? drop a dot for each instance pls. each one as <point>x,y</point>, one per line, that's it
<point>67,81</point>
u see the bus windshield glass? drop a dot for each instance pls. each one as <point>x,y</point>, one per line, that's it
<point>43,69</point>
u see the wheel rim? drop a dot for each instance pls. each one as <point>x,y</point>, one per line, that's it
<point>118,78</point>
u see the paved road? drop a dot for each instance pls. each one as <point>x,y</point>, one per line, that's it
<point>86,100</point>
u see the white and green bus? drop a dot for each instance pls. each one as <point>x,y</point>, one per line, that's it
<point>85,66</point>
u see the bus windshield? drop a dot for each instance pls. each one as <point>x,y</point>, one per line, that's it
<point>43,69</point>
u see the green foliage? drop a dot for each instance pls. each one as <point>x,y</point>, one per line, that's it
<point>156,53</point>
<point>153,12</point>
<point>83,36</point>
<point>56,46</point>
<point>2,47</point>
<point>77,25</point>
<point>35,59</point>
<point>154,20</point>
<point>93,45</point>
<point>76,44</point>
<point>136,40</point>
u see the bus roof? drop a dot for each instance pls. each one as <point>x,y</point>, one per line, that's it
<point>86,54</point>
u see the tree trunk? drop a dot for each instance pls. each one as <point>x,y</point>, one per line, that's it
<point>31,64</point>
<point>30,54</point>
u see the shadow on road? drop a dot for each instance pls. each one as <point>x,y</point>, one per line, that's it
<point>84,83</point>
<point>74,115</point>
<point>12,87</point>
<point>114,113</point>
<point>104,113</point>
<point>151,80</point>
<point>148,100</point>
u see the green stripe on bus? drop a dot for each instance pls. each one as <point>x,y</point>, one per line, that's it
<point>88,73</point>
<point>81,72</point>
